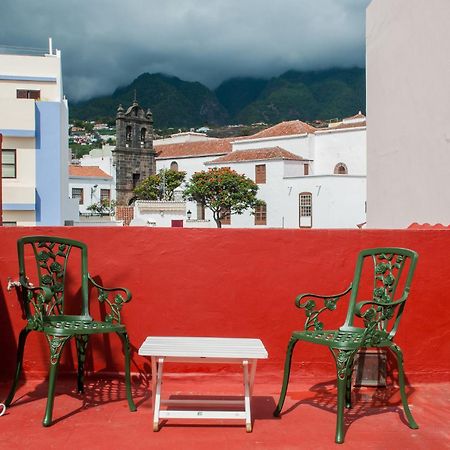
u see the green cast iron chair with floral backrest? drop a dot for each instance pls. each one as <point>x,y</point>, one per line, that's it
<point>392,271</point>
<point>45,305</point>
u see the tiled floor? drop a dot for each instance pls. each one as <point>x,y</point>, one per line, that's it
<point>100,418</point>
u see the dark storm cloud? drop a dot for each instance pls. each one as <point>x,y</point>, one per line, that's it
<point>107,43</point>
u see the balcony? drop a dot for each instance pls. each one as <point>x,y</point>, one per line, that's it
<point>230,283</point>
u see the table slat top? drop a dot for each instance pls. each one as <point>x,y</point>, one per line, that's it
<point>203,347</point>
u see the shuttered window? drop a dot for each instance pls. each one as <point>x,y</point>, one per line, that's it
<point>260,173</point>
<point>261,214</point>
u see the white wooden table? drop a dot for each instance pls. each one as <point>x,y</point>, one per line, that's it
<point>204,350</point>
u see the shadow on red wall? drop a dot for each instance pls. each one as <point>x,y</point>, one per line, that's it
<point>236,283</point>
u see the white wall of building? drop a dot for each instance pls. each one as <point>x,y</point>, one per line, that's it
<point>408,110</point>
<point>346,146</point>
<point>91,190</point>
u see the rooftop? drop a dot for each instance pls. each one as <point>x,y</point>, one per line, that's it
<point>100,418</point>
<point>194,148</point>
<point>291,127</point>
<point>87,172</point>
<point>261,154</point>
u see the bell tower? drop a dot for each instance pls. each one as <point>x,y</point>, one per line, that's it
<point>134,156</point>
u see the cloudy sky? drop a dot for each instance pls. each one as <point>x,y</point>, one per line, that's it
<point>108,43</point>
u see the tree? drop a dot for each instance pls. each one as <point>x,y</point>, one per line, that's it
<point>160,186</point>
<point>105,207</point>
<point>223,191</point>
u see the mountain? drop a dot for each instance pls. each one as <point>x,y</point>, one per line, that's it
<point>306,95</point>
<point>173,102</point>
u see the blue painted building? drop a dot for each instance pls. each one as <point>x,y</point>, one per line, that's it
<point>34,125</point>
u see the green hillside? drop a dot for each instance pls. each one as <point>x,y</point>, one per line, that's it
<point>306,95</point>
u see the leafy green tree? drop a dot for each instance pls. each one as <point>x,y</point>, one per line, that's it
<point>160,186</point>
<point>104,207</point>
<point>223,191</point>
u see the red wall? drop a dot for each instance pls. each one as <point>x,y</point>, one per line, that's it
<point>236,283</point>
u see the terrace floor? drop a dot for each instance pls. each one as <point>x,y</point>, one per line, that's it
<point>100,418</point>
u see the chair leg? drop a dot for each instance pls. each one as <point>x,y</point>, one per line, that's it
<point>287,371</point>
<point>81,342</point>
<point>19,360</point>
<point>344,362</point>
<point>126,350</point>
<point>401,380</point>
<point>56,344</point>
<point>348,388</point>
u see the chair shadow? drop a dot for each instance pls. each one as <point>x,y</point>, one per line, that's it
<point>100,387</point>
<point>366,401</point>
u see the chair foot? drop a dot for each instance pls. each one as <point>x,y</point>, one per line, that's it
<point>47,421</point>
<point>155,426</point>
<point>248,427</point>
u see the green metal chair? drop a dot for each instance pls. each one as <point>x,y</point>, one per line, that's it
<point>391,270</point>
<point>45,305</point>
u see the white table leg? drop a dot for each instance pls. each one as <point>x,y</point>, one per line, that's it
<point>248,416</point>
<point>157,401</point>
<point>154,377</point>
<point>252,375</point>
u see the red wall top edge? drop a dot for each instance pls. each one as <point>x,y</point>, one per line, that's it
<point>235,283</point>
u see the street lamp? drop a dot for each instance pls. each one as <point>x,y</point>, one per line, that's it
<point>188,214</point>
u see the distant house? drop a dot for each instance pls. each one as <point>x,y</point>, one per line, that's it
<point>89,185</point>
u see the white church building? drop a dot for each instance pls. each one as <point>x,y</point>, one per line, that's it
<point>307,177</point>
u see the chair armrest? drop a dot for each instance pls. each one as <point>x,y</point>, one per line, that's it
<point>116,303</point>
<point>312,314</point>
<point>376,315</point>
<point>36,302</point>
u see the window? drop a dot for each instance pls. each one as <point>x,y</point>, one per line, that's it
<point>340,169</point>
<point>306,169</point>
<point>260,173</point>
<point>24,93</point>
<point>136,178</point>
<point>200,211</point>
<point>225,215</point>
<point>105,195</point>
<point>305,210</point>
<point>174,166</point>
<point>261,214</point>
<point>9,164</point>
<point>143,136</point>
<point>78,193</point>
<point>128,133</point>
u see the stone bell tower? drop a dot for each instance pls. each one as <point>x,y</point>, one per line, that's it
<point>134,156</point>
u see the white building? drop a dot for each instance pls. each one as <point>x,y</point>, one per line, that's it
<point>90,185</point>
<point>34,124</point>
<point>307,177</point>
<point>408,105</point>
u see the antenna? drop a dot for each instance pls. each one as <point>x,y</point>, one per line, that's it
<point>50,46</point>
<point>135,96</point>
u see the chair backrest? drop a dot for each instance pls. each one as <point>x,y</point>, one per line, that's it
<point>52,257</point>
<point>391,272</point>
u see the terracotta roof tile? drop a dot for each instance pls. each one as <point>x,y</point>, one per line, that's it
<point>285,129</point>
<point>360,115</point>
<point>257,155</point>
<point>87,171</point>
<point>427,226</point>
<point>346,125</point>
<point>195,148</point>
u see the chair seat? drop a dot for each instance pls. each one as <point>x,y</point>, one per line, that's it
<point>70,327</point>
<point>338,338</point>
